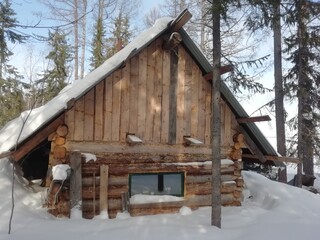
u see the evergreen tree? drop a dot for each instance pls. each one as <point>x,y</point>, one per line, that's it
<point>120,34</point>
<point>98,53</point>
<point>11,86</point>
<point>55,79</point>
<point>302,82</point>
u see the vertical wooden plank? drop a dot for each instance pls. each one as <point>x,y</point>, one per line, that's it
<point>207,139</point>
<point>108,110</point>
<point>79,119</point>
<point>157,91</point>
<point>116,105</point>
<point>99,106</point>
<point>150,92</point>
<point>202,107</point>
<point>188,94</point>
<point>69,120</point>
<point>125,101</point>
<point>222,119</point>
<point>104,176</point>
<point>181,96</point>
<point>227,131</point>
<point>89,115</point>
<point>194,101</point>
<point>165,97</point>
<point>173,96</point>
<point>133,92</point>
<point>142,93</point>
<point>75,179</point>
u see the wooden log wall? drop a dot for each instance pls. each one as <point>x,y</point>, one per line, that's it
<point>197,182</point>
<point>58,199</point>
<point>138,98</point>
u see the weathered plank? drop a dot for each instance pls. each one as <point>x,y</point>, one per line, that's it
<point>75,180</point>
<point>104,176</point>
<point>69,121</point>
<point>133,92</point>
<point>165,98</point>
<point>116,104</point>
<point>180,117</point>
<point>157,91</point>
<point>125,101</point>
<point>99,118</point>
<point>79,119</point>
<point>142,93</point>
<point>89,106</point>
<point>173,96</point>
<point>150,92</point>
<point>108,110</point>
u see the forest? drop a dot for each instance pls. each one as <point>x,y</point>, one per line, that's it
<point>83,34</point>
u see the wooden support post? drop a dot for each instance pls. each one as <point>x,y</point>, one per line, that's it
<point>94,194</point>
<point>173,96</point>
<point>104,175</point>
<point>76,179</point>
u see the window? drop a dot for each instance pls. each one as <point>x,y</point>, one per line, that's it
<point>157,184</point>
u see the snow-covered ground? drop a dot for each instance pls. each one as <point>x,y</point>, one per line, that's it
<point>270,210</point>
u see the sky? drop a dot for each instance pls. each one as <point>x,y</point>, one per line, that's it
<point>270,210</point>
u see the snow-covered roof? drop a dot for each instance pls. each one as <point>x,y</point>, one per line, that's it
<point>16,131</point>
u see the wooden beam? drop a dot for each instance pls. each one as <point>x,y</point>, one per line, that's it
<point>37,138</point>
<point>254,119</point>
<point>223,70</point>
<point>252,146</point>
<point>173,41</point>
<point>104,176</point>
<point>5,154</point>
<point>76,179</point>
<point>180,20</point>
<point>174,59</point>
<point>274,158</point>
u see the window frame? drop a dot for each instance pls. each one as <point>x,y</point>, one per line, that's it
<point>182,184</point>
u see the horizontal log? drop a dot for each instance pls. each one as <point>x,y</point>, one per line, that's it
<point>116,147</point>
<point>240,182</point>
<point>273,158</point>
<point>59,140</point>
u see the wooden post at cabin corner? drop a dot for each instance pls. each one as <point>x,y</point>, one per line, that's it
<point>76,178</point>
<point>104,175</point>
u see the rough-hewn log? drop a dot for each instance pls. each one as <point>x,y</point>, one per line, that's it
<point>62,130</point>
<point>59,152</point>
<point>59,140</point>
<point>75,180</point>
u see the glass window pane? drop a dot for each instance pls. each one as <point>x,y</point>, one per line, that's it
<point>157,184</point>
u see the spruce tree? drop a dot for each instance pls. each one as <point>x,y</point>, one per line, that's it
<point>302,81</point>
<point>120,34</point>
<point>55,79</point>
<point>98,53</point>
<point>11,85</point>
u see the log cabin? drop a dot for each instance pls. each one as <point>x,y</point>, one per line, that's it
<point>136,133</point>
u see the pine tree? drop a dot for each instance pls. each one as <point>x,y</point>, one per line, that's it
<point>55,79</point>
<point>11,86</point>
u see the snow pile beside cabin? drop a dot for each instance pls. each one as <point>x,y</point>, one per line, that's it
<point>288,212</point>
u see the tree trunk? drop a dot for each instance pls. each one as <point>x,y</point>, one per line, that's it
<point>84,33</point>
<point>76,41</point>
<point>216,138</point>
<point>280,117</point>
